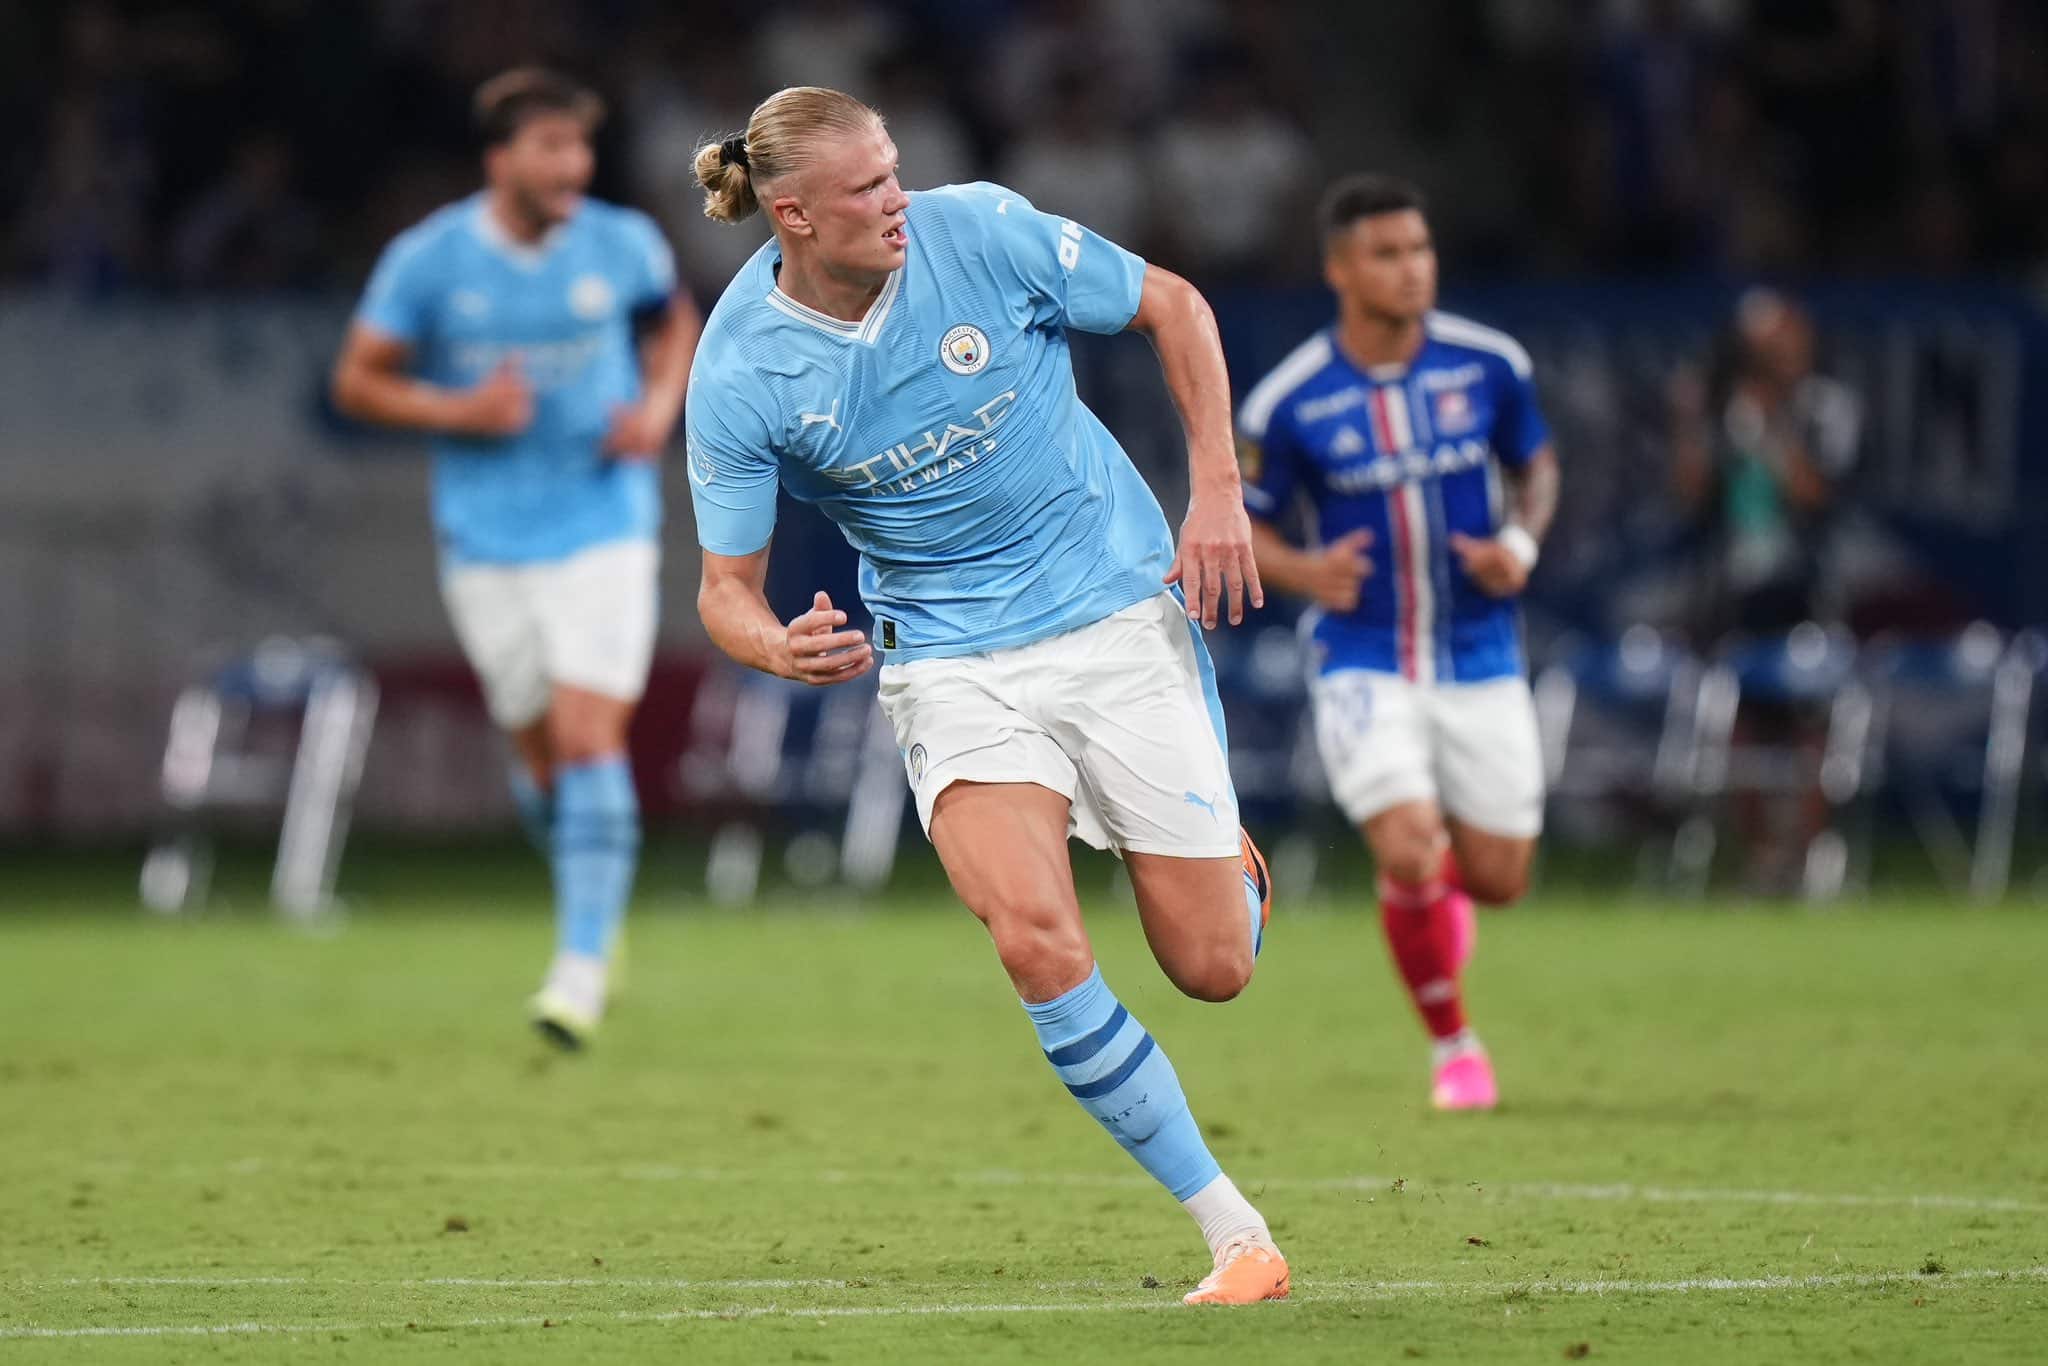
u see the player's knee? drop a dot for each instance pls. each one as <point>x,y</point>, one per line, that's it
<point>1036,938</point>
<point>584,750</point>
<point>583,736</point>
<point>1216,974</point>
<point>1408,843</point>
<point>1410,856</point>
<point>1218,981</point>
<point>1498,883</point>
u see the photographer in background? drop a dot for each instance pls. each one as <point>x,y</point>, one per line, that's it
<point>1763,442</point>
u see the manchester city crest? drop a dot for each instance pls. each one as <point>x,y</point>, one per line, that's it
<point>590,297</point>
<point>917,763</point>
<point>964,349</point>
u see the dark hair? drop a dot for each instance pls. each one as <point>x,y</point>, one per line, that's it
<point>1365,196</point>
<point>507,100</point>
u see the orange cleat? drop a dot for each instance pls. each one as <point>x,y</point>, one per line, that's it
<point>1245,1273</point>
<point>1259,882</point>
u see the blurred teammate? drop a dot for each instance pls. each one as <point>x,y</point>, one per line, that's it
<point>1415,437</point>
<point>505,326</point>
<point>901,361</point>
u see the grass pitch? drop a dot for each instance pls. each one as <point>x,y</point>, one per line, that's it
<point>814,1133</point>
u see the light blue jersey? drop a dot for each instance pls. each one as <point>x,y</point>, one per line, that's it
<point>941,432</point>
<point>465,297</point>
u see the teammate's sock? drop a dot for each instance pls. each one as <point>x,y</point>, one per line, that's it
<point>536,808</point>
<point>1122,1077</point>
<point>596,846</point>
<point>1421,955</point>
<point>1455,921</point>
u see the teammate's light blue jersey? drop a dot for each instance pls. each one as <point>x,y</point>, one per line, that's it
<point>1410,453</point>
<point>465,296</point>
<point>941,432</point>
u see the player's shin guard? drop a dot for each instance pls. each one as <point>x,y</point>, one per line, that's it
<point>596,848</point>
<point>1423,953</point>
<point>1120,1076</point>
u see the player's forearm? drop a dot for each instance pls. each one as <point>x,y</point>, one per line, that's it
<point>1533,492</point>
<point>1282,565</point>
<point>396,401</point>
<point>740,622</point>
<point>1183,331</point>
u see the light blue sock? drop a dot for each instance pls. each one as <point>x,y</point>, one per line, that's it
<point>1255,903</point>
<point>1121,1077</point>
<point>596,846</point>
<point>536,808</point>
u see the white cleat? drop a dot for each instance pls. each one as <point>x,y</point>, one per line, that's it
<point>567,1008</point>
<point>562,1021</point>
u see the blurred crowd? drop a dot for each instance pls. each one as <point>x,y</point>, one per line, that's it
<point>243,144</point>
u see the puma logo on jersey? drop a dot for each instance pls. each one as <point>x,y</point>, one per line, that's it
<point>1208,804</point>
<point>1347,442</point>
<point>830,418</point>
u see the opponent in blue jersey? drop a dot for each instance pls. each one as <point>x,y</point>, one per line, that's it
<point>505,326</point>
<point>901,362</point>
<point>1415,437</point>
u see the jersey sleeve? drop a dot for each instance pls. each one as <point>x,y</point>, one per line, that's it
<point>653,272</point>
<point>1075,277</point>
<point>732,470</point>
<point>1519,430</point>
<point>398,300</point>
<point>1268,461</point>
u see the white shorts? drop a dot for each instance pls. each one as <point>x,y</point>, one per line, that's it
<point>587,621</point>
<point>1120,717</point>
<point>1471,747</point>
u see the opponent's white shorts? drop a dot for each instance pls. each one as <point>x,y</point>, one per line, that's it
<point>1120,717</point>
<point>1471,747</point>
<point>587,621</point>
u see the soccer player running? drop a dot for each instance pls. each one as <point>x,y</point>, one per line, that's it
<point>1415,437</point>
<point>505,325</point>
<point>901,362</point>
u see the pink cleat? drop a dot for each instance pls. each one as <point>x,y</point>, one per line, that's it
<point>1457,923</point>
<point>1465,1082</point>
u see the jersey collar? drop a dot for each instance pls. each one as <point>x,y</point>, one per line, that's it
<point>526,255</point>
<point>1389,373</point>
<point>865,331</point>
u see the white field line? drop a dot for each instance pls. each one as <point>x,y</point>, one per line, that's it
<point>1564,1191</point>
<point>1622,1191</point>
<point>456,1282</point>
<point>1340,1293</point>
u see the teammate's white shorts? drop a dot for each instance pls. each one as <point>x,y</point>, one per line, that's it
<point>587,621</point>
<point>1471,747</point>
<point>1120,717</point>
